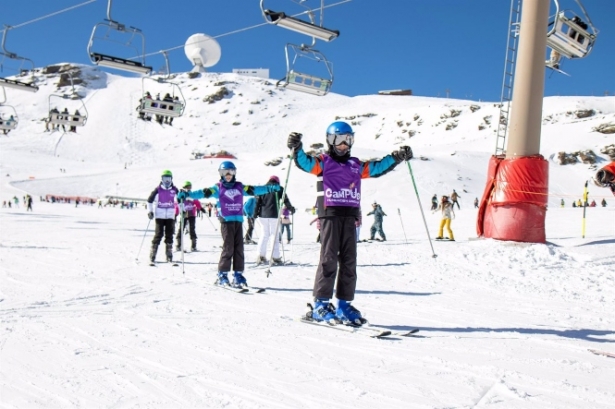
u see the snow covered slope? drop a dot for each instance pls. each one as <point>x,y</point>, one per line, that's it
<point>502,325</point>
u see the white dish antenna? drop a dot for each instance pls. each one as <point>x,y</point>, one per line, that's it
<point>202,51</point>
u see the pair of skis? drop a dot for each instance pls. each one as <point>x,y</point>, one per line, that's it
<point>364,329</point>
<point>241,290</point>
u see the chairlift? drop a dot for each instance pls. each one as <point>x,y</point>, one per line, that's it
<point>8,115</point>
<point>570,35</point>
<point>300,81</point>
<point>78,117</point>
<point>104,60</point>
<point>9,83</point>
<point>173,106</point>
<point>300,26</point>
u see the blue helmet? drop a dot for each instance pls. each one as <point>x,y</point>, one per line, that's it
<point>340,132</point>
<point>226,165</point>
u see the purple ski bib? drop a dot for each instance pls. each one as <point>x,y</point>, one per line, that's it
<point>166,198</point>
<point>231,200</point>
<point>189,206</point>
<point>341,182</point>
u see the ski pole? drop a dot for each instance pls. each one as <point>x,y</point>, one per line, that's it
<point>434,255</point>
<point>584,209</point>
<point>181,236</point>
<point>402,225</point>
<point>292,236</point>
<point>277,226</point>
<point>212,223</point>
<point>142,241</point>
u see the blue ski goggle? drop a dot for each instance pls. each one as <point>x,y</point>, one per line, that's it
<point>338,139</point>
<point>224,172</point>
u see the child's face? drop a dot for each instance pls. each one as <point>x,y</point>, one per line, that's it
<point>228,177</point>
<point>342,148</point>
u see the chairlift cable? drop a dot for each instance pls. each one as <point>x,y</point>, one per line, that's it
<point>51,14</point>
<point>245,28</point>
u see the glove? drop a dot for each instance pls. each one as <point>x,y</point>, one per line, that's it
<point>404,153</point>
<point>603,178</point>
<point>150,215</point>
<point>291,210</point>
<point>294,140</point>
<point>182,195</point>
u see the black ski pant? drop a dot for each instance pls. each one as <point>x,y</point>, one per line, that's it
<point>164,227</point>
<point>453,205</point>
<point>338,239</point>
<point>191,223</point>
<point>232,246</point>
<point>250,230</point>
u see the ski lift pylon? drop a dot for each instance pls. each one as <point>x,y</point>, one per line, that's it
<point>570,36</point>
<point>303,82</point>
<point>9,83</point>
<point>104,60</point>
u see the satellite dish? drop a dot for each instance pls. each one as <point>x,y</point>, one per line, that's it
<point>202,51</point>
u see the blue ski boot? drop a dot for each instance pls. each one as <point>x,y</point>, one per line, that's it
<point>239,281</point>
<point>323,311</point>
<point>222,278</point>
<point>348,314</point>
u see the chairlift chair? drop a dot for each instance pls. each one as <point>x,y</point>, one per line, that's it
<point>9,83</point>
<point>571,36</point>
<point>8,114</point>
<point>303,82</point>
<point>172,109</point>
<point>58,117</point>
<point>300,26</point>
<point>104,60</point>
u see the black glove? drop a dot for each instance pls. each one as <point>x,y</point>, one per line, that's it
<point>404,153</point>
<point>294,140</point>
<point>150,215</point>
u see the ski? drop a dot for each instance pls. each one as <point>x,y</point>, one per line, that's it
<point>409,333</point>
<point>346,328</point>
<point>256,290</point>
<point>233,289</point>
<point>160,262</point>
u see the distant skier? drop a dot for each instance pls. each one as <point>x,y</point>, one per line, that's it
<point>230,193</point>
<point>285,224</point>
<point>447,215</point>
<point>605,177</point>
<point>191,208</point>
<point>476,202</point>
<point>434,202</point>
<point>454,197</point>
<point>28,203</point>
<point>267,211</point>
<point>562,203</point>
<point>164,212</point>
<point>339,204</point>
<point>603,203</point>
<point>378,219</point>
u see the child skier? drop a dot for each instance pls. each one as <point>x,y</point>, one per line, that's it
<point>447,212</point>
<point>378,219</point>
<point>164,196</point>
<point>230,194</point>
<point>339,200</point>
<point>191,208</point>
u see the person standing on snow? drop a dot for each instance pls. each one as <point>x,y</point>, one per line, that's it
<point>268,211</point>
<point>285,224</point>
<point>164,211</point>
<point>191,208</point>
<point>29,203</point>
<point>378,219</point>
<point>434,202</point>
<point>447,215</point>
<point>248,210</point>
<point>230,193</point>
<point>454,197</point>
<point>339,204</point>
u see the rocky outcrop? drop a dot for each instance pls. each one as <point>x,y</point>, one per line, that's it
<point>587,156</point>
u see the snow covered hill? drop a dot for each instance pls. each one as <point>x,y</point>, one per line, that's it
<point>502,325</point>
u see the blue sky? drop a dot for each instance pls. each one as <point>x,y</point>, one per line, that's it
<point>429,46</point>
